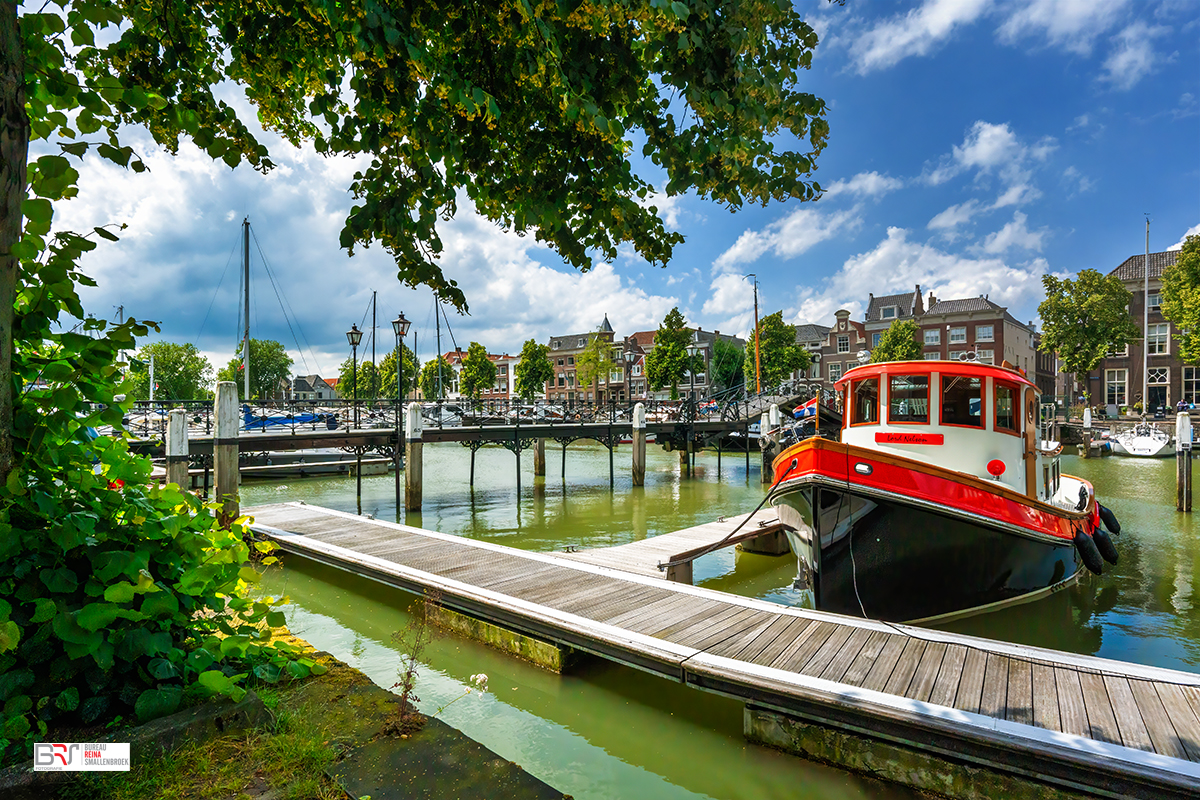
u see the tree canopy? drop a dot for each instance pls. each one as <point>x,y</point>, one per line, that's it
<point>429,378</point>
<point>387,373</point>
<point>1180,300</point>
<point>594,362</point>
<point>779,353</point>
<point>898,342</point>
<point>727,363</point>
<point>668,361</point>
<point>270,369</point>
<point>477,373</point>
<point>181,372</point>
<point>1084,319</point>
<point>533,370</point>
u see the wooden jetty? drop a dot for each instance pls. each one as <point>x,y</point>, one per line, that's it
<point>958,715</point>
<point>670,555</point>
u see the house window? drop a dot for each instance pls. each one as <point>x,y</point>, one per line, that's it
<point>908,398</point>
<point>562,380</point>
<point>1191,384</point>
<point>557,344</point>
<point>962,401</point>
<point>1114,387</point>
<point>843,344</point>
<point>582,343</point>
<point>875,338</point>
<point>815,370</point>
<point>933,336</point>
<point>637,369</point>
<point>985,333</point>
<point>1158,375</point>
<point>888,312</point>
<point>571,379</point>
<point>958,335</point>
<point>986,356</point>
<point>1155,299</point>
<point>835,372</point>
<point>956,355</point>
<point>503,369</point>
<point>934,356</point>
<point>1157,337</point>
<point>571,360</point>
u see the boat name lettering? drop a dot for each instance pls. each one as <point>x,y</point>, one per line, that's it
<point>909,438</point>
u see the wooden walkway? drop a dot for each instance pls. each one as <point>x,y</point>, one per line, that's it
<point>684,546</point>
<point>1076,722</point>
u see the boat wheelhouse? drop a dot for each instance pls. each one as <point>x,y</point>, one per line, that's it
<point>941,499</point>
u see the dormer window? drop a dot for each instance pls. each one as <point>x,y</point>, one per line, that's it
<point>888,312</point>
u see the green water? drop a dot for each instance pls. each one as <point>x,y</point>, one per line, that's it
<point>614,732</point>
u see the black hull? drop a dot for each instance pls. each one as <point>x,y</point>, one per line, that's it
<point>899,562</point>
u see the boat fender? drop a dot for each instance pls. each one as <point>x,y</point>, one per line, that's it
<point>1083,498</point>
<point>1110,520</point>
<point>1088,552</point>
<point>1105,545</point>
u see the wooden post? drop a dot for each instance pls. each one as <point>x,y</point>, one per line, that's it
<point>639,444</point>
<point>177,448</point>
<point>1086,450</point>
<point>1183,462</point>
<point>767,441</point>
<point>225,451</point>
<point>412,457</point>
<point>539,458</point>
<point>612,446</point>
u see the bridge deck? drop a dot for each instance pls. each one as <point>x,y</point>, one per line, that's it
<point>1072,721</point>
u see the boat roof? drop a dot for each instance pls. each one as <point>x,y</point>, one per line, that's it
<point>969,368</point>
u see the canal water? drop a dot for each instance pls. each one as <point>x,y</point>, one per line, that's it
<point>612,732</point>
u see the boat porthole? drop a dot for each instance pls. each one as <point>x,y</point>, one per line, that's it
<point>863,469</point>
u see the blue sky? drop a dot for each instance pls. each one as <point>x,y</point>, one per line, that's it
<point>974,147</point>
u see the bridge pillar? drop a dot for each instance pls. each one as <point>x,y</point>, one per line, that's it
<point>539,457</point>
<point>225,451</point>
<point>639,445</point>
<point>177,448</point>
<point>412,457</point>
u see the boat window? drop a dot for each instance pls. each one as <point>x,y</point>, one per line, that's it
<point>866,402</point>
<point>908,398</point>
<point>1006,411</point>
<point>962,400</point>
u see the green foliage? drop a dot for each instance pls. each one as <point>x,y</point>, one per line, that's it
<point>594,362</point>
<point>898,343</point>
<point>387,373</point>
<point>533,370</point>
<point>180,370</point>
<point>478,372</point>
<point>668,361</point>
<point>270,369</point>
<point>367,383</point>
<point>779,355</point>
<point>1084,319</point>
<point>726,365</point>
<point>1180,301</point>
<point>429,378</point>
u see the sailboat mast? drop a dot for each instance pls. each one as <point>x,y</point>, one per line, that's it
<point>246,283</point>
<point>1146,325</point>
<point>437,318</point>
<point>374,363</point>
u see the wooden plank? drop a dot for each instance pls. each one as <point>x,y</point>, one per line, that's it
<point>1045,697</point>
<point>945,686</point>
<point>885,662</point>
<point>927,671</point>
<point>995,686</point>
<point>862,663</point>
<point>622,601</point>
<point>796,631</point>
<point>746,617</point>
<point>906,667</point>
<point>1019,707</point>
<point>970,687</point>
<point>846,654</point>
<point>1128,717</point>
<point>686,616</point>
<point>1183,717</point>
<point>826,652</point>
<point>1071,708</point>
<point>1158,722</point>
<point>739,640</point>
<point>652,610</point>
<point>812,638</point>
<point>749,649</point>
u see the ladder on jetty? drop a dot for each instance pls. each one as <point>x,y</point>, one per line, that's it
<point>1028,716</point>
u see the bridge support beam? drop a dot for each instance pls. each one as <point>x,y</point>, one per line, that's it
<point>177,448</point>
<point>225,451</point>
<point>639,445</point>
<point>539,458</point>
<point>412,457</point>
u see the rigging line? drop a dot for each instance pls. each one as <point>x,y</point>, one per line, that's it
<point>286,306</point>
<point>449,329</point>
<point>217,291</point>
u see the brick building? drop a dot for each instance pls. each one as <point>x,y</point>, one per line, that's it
<point>564,350</point>
<point>841,347</point>
<point>951,328</point>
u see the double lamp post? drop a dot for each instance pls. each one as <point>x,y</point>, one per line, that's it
<point>354,337</point>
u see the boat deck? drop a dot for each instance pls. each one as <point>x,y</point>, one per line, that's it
<point>1075,722</point>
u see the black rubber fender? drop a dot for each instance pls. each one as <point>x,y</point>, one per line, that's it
<point>1110,520</point>
<point>1083,499</point>
<point>1088,552</point>
<point>1104,544</point>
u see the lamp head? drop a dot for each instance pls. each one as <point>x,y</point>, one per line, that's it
<point>354,336</point>
<point>400,325</point>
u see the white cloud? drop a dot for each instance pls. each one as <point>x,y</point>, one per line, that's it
<point>1073,24</point>
<point>992,149</point>
<point>916,33</point>
<point>1014,234</point>
<point>954,216</point>
<point>1133,56</point>
<point>1192,231</point>
<point>1078,182</point>
<point>797,232</point>
<point>865,184</point>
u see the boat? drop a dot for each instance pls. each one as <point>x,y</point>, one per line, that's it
<point>942,499</point>
<point>262,419</point>
<point>1142,441</point>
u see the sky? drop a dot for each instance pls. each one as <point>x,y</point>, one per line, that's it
<point>975,146</point>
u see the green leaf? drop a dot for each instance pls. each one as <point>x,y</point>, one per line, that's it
<point>681,11</point>
<point>104,233</point>
<point>10,636</point>
<point>38,210</point>
<point>16,728</point>
<point>5,609</point>
<point>44,610</point>
<point>160,604</point>
<point>155,703</point>
<point>162,669</point>
<point>95,616</point>
<point>234,645</point>
<point>59,581</point>
<point>276,619</point>
<point>215,681</point>
<point>68,699</point>
<point>120,592</point>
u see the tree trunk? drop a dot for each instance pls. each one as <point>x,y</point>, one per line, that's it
<point>14,154</point>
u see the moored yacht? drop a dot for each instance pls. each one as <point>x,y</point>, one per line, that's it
<point>1143,441</point>
<point>941,499</point>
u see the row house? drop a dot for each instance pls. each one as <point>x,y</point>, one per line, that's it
<point>812,338</point>
<point>950,329</point>
<point>1149,367</point>
<point>314,387</point>
<point>842,348</point>
<point>638,345</point>
<point>565,385</point>
<point>502,389</point>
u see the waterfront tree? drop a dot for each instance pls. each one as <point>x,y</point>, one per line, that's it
<point>270,370</point>
<point>779,353</point>
<point>726,366</point>
<point>595,362</point>
<point>435,378</point>
<point>387,373</point>
<point>368,381</point>
<point>533,371</point>
<point>478,372</point>
<point>1181,299</point>
<point>181,372</point>
<point>898,343</point>
<point>668,361</point>
<point>1085,319</point>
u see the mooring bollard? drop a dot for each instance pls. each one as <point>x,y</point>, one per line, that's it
<point>639,444</point>
<point>412,457</point>
<point>1183,462</point>
<point>225,451</point>
<point>1085,451</point>
<point>539,458</point>
<point>177,448</point>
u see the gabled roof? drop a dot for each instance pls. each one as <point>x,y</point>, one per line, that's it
<point>811,333</point>
<point>963,306</point>
<point>604,326</point>
<point>1132,268</point>
<point>643,339</point>
<point>903,302</point>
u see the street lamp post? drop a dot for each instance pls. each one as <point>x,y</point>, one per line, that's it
<point>400,327</point>
<point>354,336</point>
